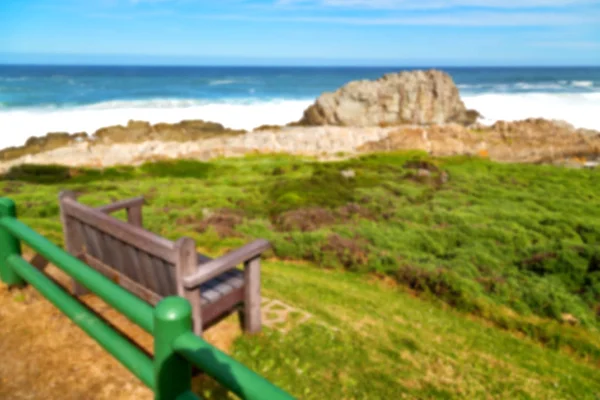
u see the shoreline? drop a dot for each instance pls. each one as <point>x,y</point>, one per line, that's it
<point>576,108</point>
<point>527,141</point>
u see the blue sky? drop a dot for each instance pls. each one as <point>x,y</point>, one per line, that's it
<point>298,32</point>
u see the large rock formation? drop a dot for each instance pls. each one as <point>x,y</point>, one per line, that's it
<point>416,97</point>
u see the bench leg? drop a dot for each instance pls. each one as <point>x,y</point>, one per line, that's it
<point>250,316</point>
<point>78,289</point>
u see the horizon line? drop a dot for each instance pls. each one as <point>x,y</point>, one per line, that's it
<point>51,64</point>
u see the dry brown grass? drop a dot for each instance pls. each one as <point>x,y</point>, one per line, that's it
<point>45,355</point>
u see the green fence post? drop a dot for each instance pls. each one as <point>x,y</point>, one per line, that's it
<point>9,245</point>
<point>173,373</point>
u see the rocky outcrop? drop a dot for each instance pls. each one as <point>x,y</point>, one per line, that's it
<point>532,140</point>
<point>35,145</point>
<point>141,131</point>
<point>416,97</point>
<point>133,132</point>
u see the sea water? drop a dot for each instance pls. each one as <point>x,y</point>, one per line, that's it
<point>35,100</point>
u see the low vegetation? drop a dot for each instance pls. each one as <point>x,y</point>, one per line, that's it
<point>513,246</point>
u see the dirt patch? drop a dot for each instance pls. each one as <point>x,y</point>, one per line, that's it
<point>223,334</point>
<point>425,172</point>
<point>48,357</point>
<point>305,219</point>
<point>421,164</point>
<point>351,210</point>
<point>313,218</point>
<point>223,221</point>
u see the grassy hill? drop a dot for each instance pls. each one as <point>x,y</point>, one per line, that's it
<point>425,278</point>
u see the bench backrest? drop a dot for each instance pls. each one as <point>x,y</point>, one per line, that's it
<point>139,257</point>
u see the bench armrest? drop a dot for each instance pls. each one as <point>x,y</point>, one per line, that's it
<point>122,204</point>
<point>216,267</point>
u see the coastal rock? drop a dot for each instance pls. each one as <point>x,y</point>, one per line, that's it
<point>140,131</point>
<point>135,131</point>
<point>531,140</point>
<point>415,97</point>
<point>35,145</point>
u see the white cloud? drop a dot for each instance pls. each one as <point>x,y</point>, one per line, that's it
<point>433,4</point>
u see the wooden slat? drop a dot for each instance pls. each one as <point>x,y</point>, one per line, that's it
<point>221,285</point>
<point>227,304</point>
<point>209,294</point>
<point>91,241</point>
<point>171,276</point>
<point>107,255</point>
<point>138,237</point>
<point>130,256</point>
<point>163,279</point>
<point>119,259</point>
<point>217,266</point>
<point>149,272</point>
<point>235,278</point>
<point>134,287</point>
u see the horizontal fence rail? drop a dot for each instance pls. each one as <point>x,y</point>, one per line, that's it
<point>176,348</point>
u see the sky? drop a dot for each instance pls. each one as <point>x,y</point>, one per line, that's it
<point>301,32</point>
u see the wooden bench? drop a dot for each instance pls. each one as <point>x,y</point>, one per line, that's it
<point>153,267</point>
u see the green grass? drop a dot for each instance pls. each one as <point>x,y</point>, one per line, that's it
<point>366,341</point>
<point>494,256</point>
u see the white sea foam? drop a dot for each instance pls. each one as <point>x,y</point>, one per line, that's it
<point>16,125</point>
<point>582,83</point>
<point>538,86</point>
<point>218,82</point>
<point>579,109</point>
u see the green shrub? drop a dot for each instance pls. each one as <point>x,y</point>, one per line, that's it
<point>36,173</point>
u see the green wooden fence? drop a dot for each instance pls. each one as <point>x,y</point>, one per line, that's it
<point>176,348</point>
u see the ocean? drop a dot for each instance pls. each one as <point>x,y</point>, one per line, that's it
<point>35,100</point>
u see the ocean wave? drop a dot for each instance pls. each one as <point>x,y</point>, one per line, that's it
<point>218,82</point>
<point>584,84</point>
<point>14,79</point>
<point>150,103</point>
<point>538,86</point>
<point>238,114</point>
<point>579,109</point>
<point>178,103</point>
<point>551,86</point>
